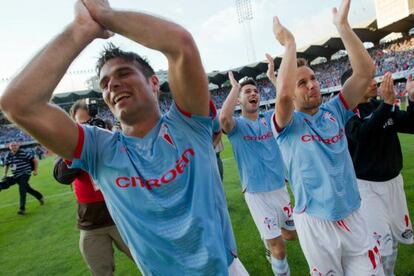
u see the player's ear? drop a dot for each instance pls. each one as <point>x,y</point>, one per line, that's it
<point>155,83</point>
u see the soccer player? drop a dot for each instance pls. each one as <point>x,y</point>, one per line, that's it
<point>21,163</point>
<point>331,230</point>
<point>261,169</point>
<point>158,175</point>
<point>376,153</point>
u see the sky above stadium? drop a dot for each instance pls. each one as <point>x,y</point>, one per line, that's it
<point>27,25</point>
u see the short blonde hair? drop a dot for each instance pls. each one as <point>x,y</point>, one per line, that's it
<point>300,62</point>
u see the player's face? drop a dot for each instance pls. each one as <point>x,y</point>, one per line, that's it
<point>307,92</point>
<point>126,91</point>
<point>249,98</point>
<point>81,116</point>
<point>14,147</point>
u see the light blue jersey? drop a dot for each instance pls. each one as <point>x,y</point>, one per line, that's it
<point>257,154</point>
<point>164,193</point>
<point>320,167</point>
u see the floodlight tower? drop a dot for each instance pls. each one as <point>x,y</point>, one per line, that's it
<point>245,16</point>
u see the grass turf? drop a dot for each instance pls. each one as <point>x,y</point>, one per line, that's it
<point>45,240</point>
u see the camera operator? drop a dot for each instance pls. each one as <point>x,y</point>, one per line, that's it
<point>88,109</point>
<point>97,229</point>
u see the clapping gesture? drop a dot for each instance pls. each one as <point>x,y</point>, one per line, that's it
<point>271,69</point>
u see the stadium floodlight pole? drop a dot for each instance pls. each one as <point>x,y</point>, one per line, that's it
<point>245,16</point>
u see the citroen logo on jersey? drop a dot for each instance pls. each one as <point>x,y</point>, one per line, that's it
<point>166,178</point>
<point>164,133</point>
<point>329,116</point>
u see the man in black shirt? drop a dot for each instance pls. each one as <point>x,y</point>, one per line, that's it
<point>376,153</point>
<point>21,162</point>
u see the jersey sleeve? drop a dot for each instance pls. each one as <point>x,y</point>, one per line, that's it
<point>91,143</point>
<point>216,125</point>
<point>236,128</point>
<point>190,123</point>
<point>281,132</point>
<point>29,155</point>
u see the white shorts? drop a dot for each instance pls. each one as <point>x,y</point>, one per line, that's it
<point>338,247</point>
<point>237,269</point>
<point>384,208</point>
<point>271,211</point>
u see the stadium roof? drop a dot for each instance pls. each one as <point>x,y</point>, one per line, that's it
<point>71,97</point>
<point>367,32</point>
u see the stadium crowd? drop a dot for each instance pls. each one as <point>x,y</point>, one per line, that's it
<point>394,56</point>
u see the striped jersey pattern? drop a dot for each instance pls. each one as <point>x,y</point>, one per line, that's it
<point>19,163</point>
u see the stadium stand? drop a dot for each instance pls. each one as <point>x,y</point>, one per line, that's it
<point>396,56</point>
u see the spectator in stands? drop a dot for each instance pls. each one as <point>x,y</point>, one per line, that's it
<point>22,164</point>
<point>98,232</point>
<point>376,153</point>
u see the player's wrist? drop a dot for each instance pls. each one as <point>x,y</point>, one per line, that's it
<point>82,33</point>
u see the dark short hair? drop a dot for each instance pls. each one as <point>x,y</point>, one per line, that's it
<point>248,81</point>
<point>110,51</point>
<point>79,104</point>
<point>346,75</point>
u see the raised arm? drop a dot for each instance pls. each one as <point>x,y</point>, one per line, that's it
<point>361,62</point>
<point>26,99</point>
<point>226,114</point>
<point>286,78</point>
<point>187,79</point>
<point>270,73</point>
<point>404,120</point>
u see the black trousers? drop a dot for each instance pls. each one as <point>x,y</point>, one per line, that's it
<point>6,182</point>
<point>24,187</point>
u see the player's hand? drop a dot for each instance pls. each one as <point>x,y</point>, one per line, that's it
<point>97,8</point>
<point>282,34</point>
<point>233,81</point>
<point>35,173</point>
<point>84,21</point>
<point>271,69</point>
<point>340,17</point>
<point>409,87</point>
<point>386,89</point>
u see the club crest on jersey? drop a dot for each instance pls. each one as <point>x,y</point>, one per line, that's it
<point>263,121</point>
<point>329,116</point>
<point>164,133</point>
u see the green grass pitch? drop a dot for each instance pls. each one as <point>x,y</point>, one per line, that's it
<point>45,240</point>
